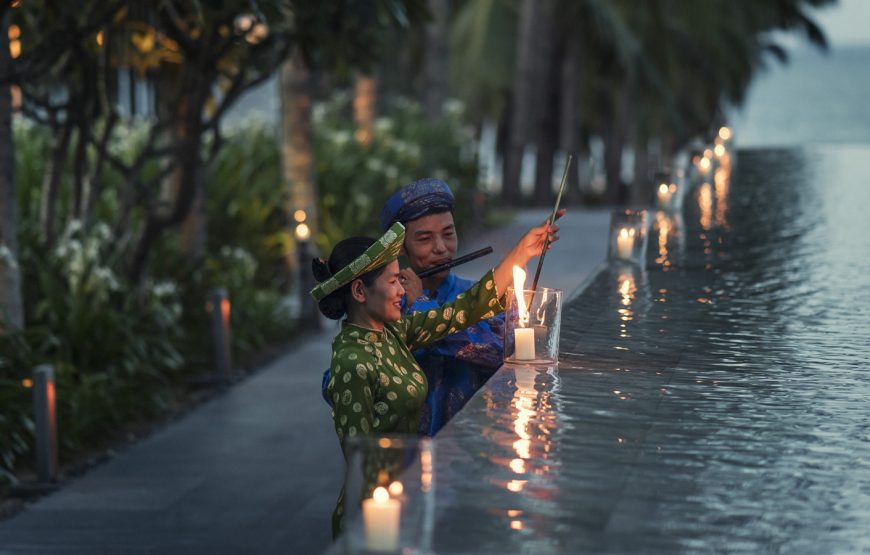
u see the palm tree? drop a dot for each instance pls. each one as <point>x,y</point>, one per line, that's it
<point>435,92</point>
<point>11,305</point>
<point>533,39</point>
<point>297,150</point>
<point>365,106</point>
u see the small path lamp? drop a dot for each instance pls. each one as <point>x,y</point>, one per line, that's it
<point>308,312</point>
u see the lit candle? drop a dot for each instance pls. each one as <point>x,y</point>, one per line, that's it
<point>625,243</point>
<point>381,517</point>
<point>525,342</point>
<point>524,338</point>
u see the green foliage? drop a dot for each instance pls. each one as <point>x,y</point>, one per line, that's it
<point>356,179</point>
<point>113,348</point>
<point>246,196</point>
<point>247,250</point>
<point>120,351</point>
<point>16,406</point>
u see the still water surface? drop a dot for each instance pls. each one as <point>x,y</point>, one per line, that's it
<point>715,401</point>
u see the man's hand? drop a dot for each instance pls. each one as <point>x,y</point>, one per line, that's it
<point>412,284</point>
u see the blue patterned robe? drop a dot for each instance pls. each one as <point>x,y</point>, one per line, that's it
<point>458,365</point>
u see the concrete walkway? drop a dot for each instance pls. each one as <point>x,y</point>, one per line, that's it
<point>255,470</point>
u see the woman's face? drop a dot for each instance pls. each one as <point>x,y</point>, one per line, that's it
<point>384,297</point>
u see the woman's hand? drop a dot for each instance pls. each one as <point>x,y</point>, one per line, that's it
<point>532,243</point>
<point>530,246</point>
<point>412,284</point>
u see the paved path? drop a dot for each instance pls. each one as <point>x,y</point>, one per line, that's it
<point>255,470</point>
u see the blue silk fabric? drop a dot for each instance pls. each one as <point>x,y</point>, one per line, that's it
<point>458,365</point>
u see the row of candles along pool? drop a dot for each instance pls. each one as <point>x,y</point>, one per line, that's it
<point>532,327</point>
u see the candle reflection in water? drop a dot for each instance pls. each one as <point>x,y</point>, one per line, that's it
<point>721,183</point>
<point>705,203</point>
<point>626,289</point>
<point>664,227</point>
<point>532,421</point>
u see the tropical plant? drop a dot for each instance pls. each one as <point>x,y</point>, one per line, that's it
<point>356,179</point>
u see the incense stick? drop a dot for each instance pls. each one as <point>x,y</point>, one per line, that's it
<point>455,262</point>
<point>549,223</point>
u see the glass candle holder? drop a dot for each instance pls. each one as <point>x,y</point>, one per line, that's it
<point>388,497</point>
<point>628,236</point>
<point>532,327</point>
<point>668,192</point>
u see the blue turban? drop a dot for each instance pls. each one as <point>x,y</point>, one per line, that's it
<point>415,200</point>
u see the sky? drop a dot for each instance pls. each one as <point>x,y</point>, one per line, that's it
<point>846,23</point>
<point>817,97</point>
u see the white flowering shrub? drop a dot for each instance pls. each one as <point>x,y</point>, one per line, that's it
<point>355,180</point>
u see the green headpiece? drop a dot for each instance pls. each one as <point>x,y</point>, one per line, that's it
<point>383,251</point>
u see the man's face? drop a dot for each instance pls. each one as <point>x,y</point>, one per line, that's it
<point>430,241</point>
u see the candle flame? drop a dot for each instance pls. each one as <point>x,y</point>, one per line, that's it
<point>541,313</point>
<point>381,495</point>
<point>519,285</point>
<point>396,488</point>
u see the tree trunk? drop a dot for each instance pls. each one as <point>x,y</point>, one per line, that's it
<point>569,125</point>
<point>11,304</point>
<point>612,107</point>
<point>178,90</point>
<point>546,150</point>
<point>436,58</point>
<point>51,179</point>
<point>190,185</point>
<point>547,127</point>
<point>365,107</point>
<point>181,102</point>
<point>525,93</point>
<point>297,149</point>
<point>194,228</point>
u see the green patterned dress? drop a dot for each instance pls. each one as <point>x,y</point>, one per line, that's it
<point>377,387</point>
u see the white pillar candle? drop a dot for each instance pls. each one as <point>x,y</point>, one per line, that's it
<point>525,343</point>
<point>381,518</point>
<point>625,243</point>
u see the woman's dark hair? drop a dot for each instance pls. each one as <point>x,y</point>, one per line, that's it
<point>334,305</point>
